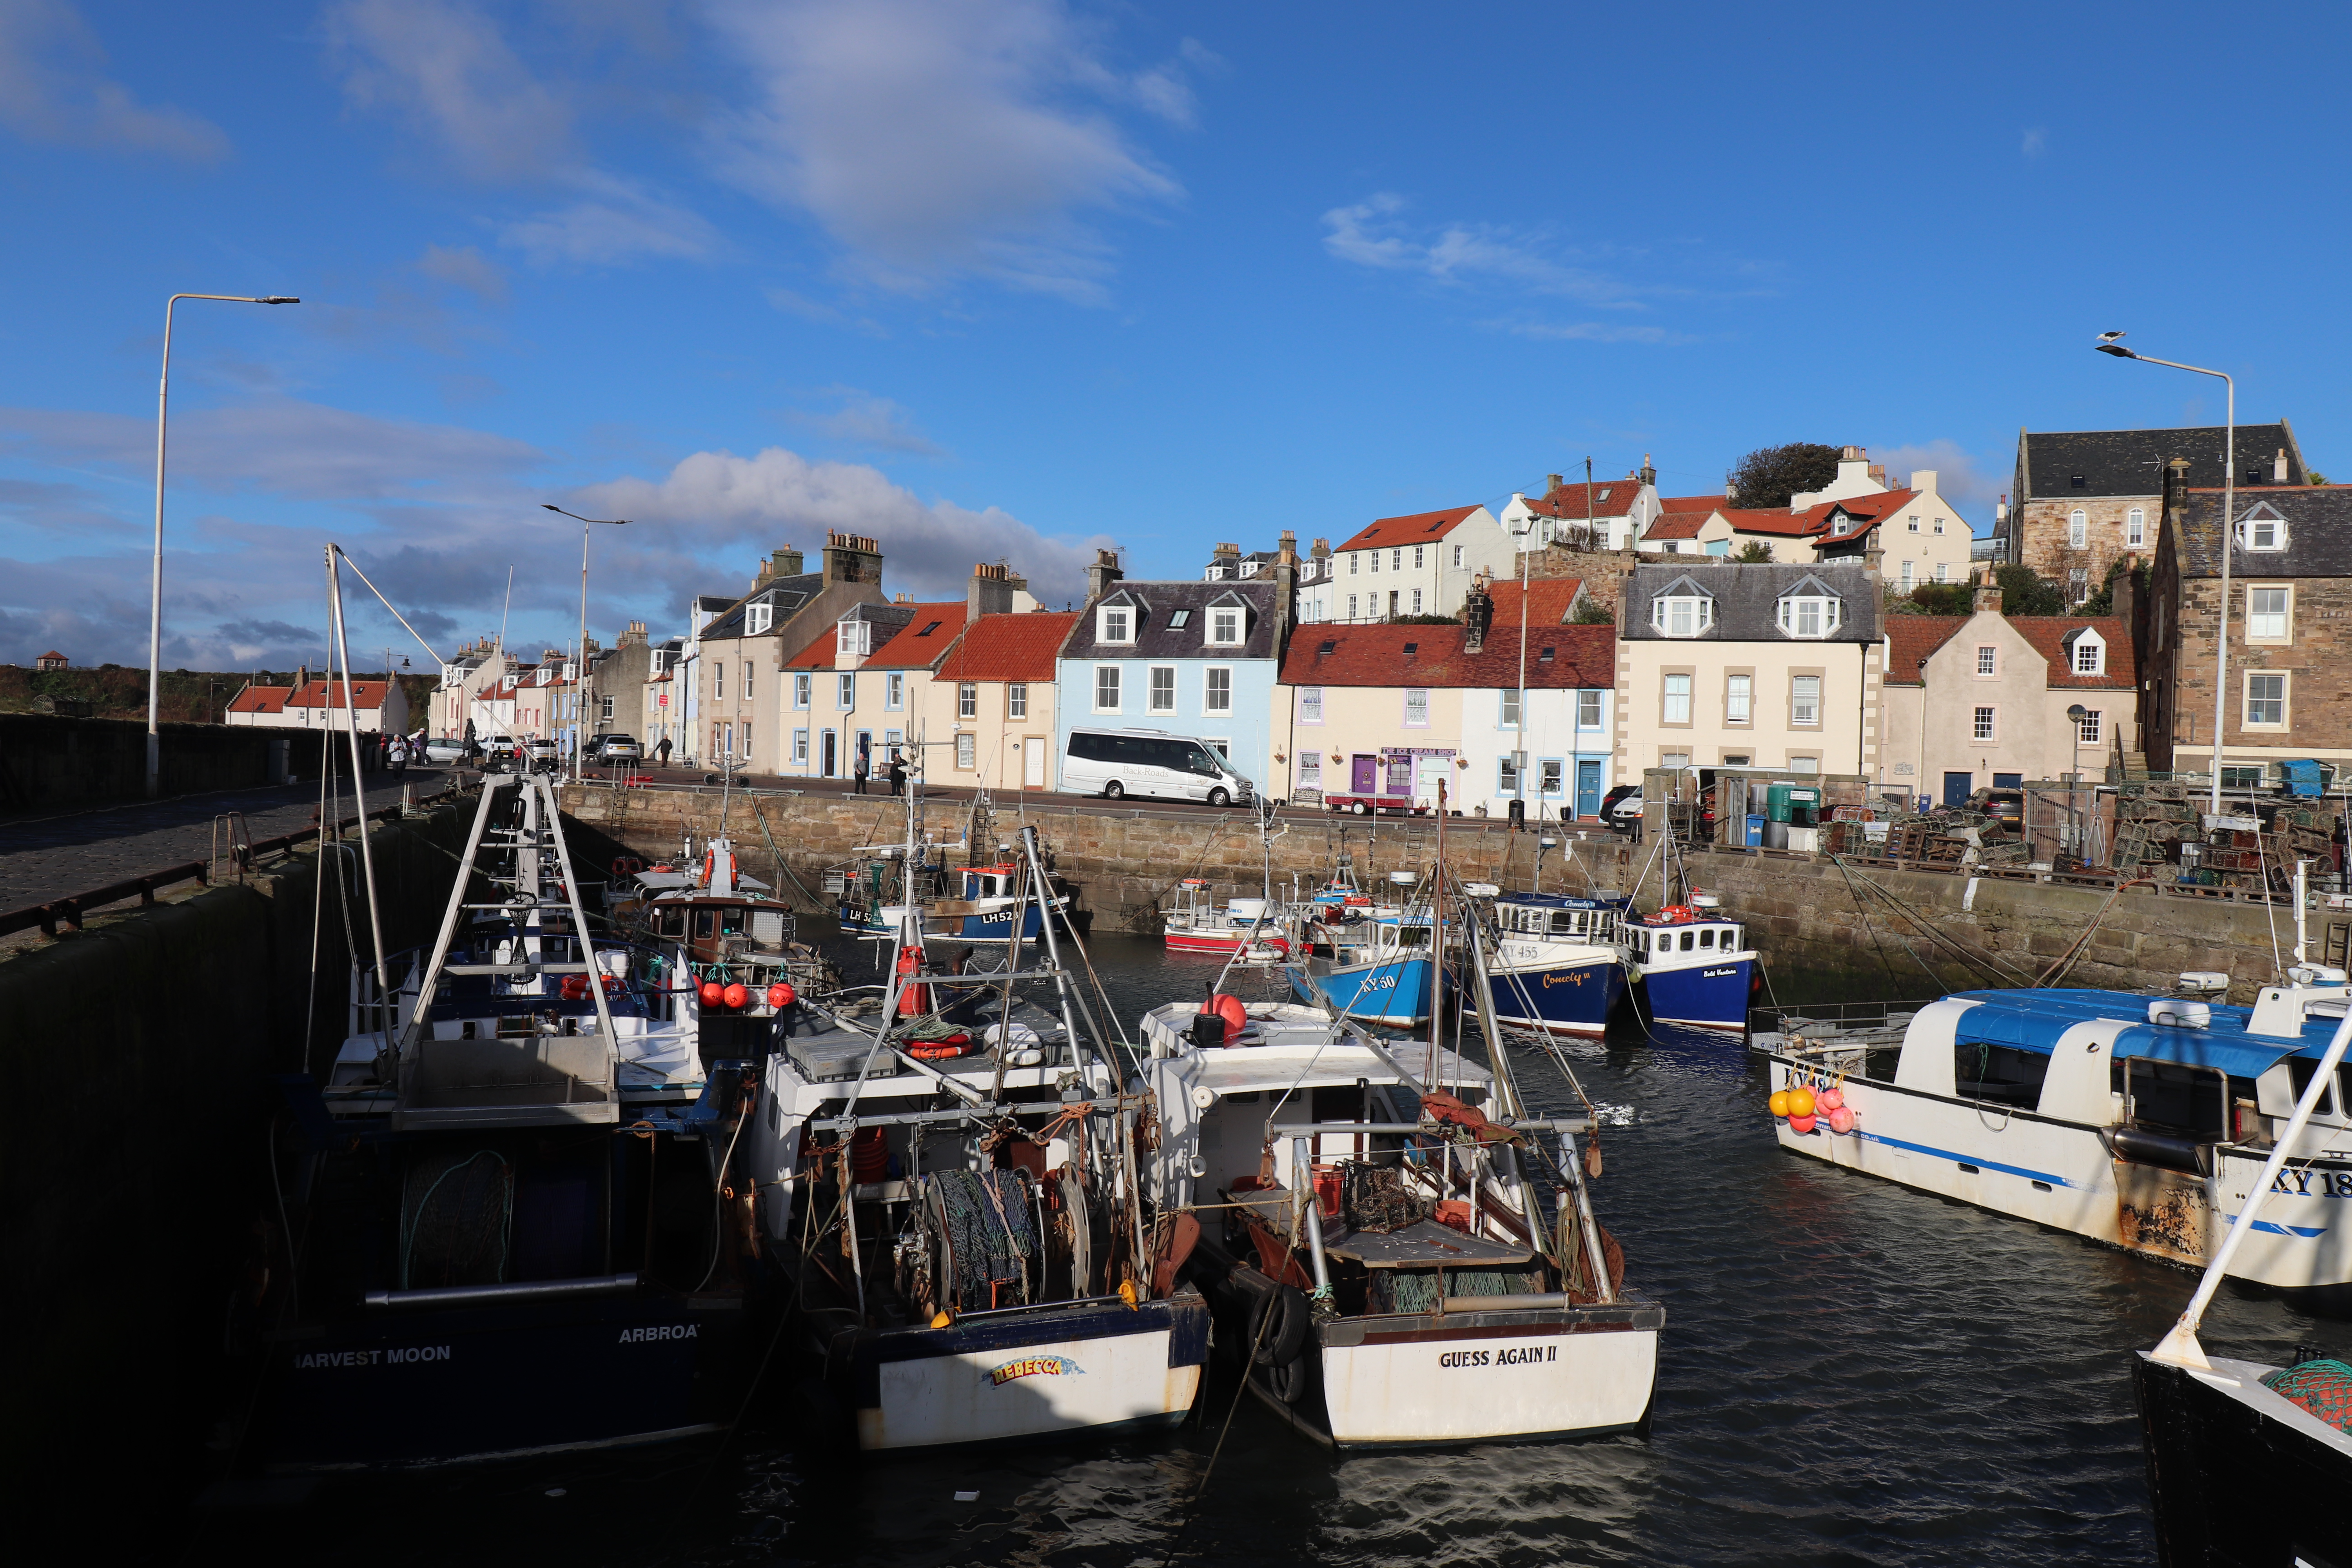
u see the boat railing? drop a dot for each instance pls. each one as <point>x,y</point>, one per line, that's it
<point>1820,1018</point>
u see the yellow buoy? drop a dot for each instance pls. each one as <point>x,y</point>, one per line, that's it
<point>1801,1102</point>
<point>942,1321</point>
<point>1780,1103</point>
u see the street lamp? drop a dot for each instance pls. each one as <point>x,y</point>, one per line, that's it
<point>2074,717</point>
<point>155,594</point>
<point>580,685</point>
<point>2109,344</point>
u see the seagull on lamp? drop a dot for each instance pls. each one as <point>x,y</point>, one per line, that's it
<point>2110,344</point>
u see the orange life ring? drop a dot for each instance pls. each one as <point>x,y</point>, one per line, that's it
<point>938,1050</point>
<point>626,866</point>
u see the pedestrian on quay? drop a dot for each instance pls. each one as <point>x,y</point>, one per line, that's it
<point>661,751</point>
<point>898,774</point>
<point>397,754</point>
<point>859,769</point>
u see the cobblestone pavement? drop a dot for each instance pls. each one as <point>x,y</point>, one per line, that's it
<point>44,857</point>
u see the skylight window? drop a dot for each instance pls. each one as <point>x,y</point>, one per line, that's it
<point>1413,647</point>
<point>1177,618</point>
<point>1330,644</point>
<point>1544,657</point>
<point>929,630</point>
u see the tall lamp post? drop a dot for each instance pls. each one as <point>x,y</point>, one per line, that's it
<point>2108,344</point>
<point>580,686</point>
<point>155,592</point>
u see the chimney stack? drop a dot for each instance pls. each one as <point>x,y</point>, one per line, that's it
<point>990,590</point>
<point>1286,588</point>
<point>1551,483</point>
<point>1477,614</point>
<point>1103,574</point>
<point>851,558</point>
<point>784,562</point>
<point>1322,550</point>
<point>2278,468</point>
<point>1986,600</point>
<point>1649,475</point>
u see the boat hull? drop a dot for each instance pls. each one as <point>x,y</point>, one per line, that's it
<point>1391,992</point>
<point>439,1386</point>
<point>1427,1380</point>
<point>2238,1474</point>
<point>1214,940</point>
<point>1573,998</point>
<point>1049,1372</point>
<point>2063,1174</point>
<point>1701,995</point>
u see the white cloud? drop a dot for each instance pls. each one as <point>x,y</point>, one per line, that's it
<point>1374,233</point>
<point>465,268</point>
<point>2036,143</point>
<point>445,66</point>
<point>1970,485</point>
<point>779,497</point>
<point>933,137</point>
<point>1593,332</point>
<point>51,89</point>
<point>617,222</point>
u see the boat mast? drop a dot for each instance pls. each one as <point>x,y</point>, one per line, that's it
<point>358,783</point>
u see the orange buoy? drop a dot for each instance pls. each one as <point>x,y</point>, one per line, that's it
<point>1801,1102</point>
<point>781,995</point>
<point>713,993</point>
<point>1232,1010</point>
<point>737,994</point>
<point>1801,1124</point>
<point>1780,1103</point>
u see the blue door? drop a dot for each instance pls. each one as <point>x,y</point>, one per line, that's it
<point>1588,789</point>
<point>1958,787</point>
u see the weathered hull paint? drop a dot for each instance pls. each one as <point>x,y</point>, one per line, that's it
<point>1040,1375</point>
<point>2063,1174</point>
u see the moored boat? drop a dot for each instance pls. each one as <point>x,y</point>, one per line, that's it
<point>1555,964</point>
<point>1690,964</point>
<point>1198,924</point>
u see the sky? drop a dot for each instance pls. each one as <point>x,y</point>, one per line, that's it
<point>1019,281</point>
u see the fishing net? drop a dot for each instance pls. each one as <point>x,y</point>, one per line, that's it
<point>457,1216</point>
<point>2323,1387</point>
<point>991,1235</point>
<point>1419,1289</point>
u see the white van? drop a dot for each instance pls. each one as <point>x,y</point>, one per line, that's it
<point>1116,762</point>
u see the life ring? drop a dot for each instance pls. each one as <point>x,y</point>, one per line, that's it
<point>626,866</point>
<point>938,1050</point>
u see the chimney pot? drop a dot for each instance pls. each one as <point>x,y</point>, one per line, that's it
<point>1551,483</point>
<point>2278,468</point>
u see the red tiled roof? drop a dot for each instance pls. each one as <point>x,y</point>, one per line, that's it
<point>1010,646</point>
<point>818,655</point>
<point>365,694</point>
<point>1678,525</point>
<point>1611,498</point>
<point>2048,632</point>
<point>1911,638</point>
<point>1693,503</point>
<point>1418,529</point>
<point>1782,524</point>
<point>260,699</point>
<point>1376,656</point>
<point>916,647</point>
<point>1550,600</point>
<point>1872,510</point>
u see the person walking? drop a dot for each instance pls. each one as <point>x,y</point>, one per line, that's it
<point>860,768</point>
<point>898,774</point>
<point>661,751</point>
<point>396,755</point>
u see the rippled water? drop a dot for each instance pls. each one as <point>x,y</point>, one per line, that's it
<point>1852,1374</point>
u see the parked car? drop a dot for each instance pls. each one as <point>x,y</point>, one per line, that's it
<point>1621,806</point>
<point>1116,762</point>
<point>543,756</point>
<point>614,749</point>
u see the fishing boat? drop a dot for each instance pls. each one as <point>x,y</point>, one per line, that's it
<point>1689,964</point>
<point>1555,964</point>
<point>514,1233</point>
<point>2144,1122</point>
<point>971,903</point>
<point>1396,1259</point>
<point>2248,1462</point>
<point>1198,924</point>
<point>948,1186</point>
<point>1381,969</point>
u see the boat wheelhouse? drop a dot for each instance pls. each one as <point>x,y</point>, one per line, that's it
<point>1690,964</point>
<point>1555,964</point>
<point>1376,1233</point>
<point>1198,924</point>
<point>2139,1121</point>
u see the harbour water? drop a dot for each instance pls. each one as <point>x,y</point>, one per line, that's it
<point>1852,1373</point>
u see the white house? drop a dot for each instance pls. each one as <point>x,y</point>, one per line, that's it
<point>1422,564</point>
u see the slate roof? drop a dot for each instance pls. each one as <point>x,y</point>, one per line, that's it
<point>1558,657</point>
<point>1420,528</point>
<point>1010,646</point>
<point>923,638</point>
<point>1157,603</point>
<point>1611,498</point>
<point>2318,533</point>
<point>785,594</point>
<point>2131,462</point>
<point>1747,597</point>
<point>1910,639</point>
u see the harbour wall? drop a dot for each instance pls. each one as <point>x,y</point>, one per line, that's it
<point>1827,932</point>
<point>138,1209</point>
<point>50,759</point>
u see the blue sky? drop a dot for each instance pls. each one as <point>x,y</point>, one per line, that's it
<point>1013,280</point>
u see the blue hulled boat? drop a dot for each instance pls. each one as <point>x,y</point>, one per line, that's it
<point>1380,969</point>
<point>1690,965</point>
<point>1556,965</point>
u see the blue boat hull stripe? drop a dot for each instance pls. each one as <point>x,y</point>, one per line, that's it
<point>1976,1160</point>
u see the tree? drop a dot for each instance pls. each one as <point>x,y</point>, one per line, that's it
<point>1942,598</point>
<point>1768,475</point>
<point>1753,550</point>
<point>2023,594</point>
<point>2314,476</point>
<point>1593,613</point>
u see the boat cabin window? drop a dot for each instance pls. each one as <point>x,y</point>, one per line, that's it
<point>1568,923</point>
<point>730,920</point>
<point>2177,1098</point>
<point>1706,937</point>
<point>671,922</point>
<point>706,922</point>
<point>1413,936</point>
<point>2333,1098</point>
<point>1690,940</point>
<point>1998,1074</point>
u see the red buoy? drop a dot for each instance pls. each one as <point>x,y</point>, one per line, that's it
<point>781,995</point>
<point>736,995</point>
<point>713,993</point>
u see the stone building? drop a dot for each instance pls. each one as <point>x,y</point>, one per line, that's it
<point>2083,499</point>
<point>2290,609</point>
<point>740,694</point>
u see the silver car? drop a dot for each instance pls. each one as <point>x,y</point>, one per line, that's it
<point>616,749</point>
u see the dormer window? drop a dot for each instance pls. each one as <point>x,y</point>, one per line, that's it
<point>855,639</point>
<point>1810,612</point>
<point>2090,654</point>
<point>1224,628</point>
<point>1114,622</point>
<point>757,618</point>
<point>1249,568</point>
<point>1684,614</point>
<point>2263,529</point>
<point>1216,574</point>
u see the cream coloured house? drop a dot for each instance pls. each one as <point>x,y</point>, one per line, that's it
<point>1723,664</point>
<point>1979,701</point>
<point>1419,565</point>
<point>992,698</point>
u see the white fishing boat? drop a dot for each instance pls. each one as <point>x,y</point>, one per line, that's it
<point>949,1186</point>
<point>1399,1270</point>
<point>2144,1122</point>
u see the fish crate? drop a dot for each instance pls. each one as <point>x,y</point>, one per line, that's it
<point>2199,876</point>
<point>1904,840</point>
